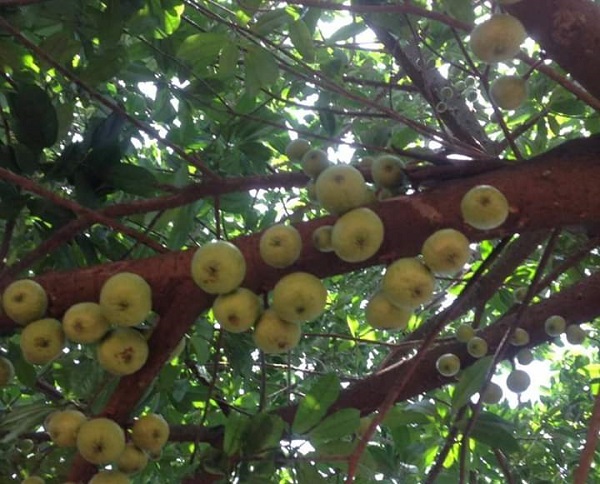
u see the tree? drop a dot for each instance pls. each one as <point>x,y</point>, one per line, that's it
<point>135,131</point>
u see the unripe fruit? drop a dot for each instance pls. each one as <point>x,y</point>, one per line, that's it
<point>33,480</point>
<point>314,162</point>
<point>132,459</point>
<point>555,325</point>
<point>340,188</point>
<point>42,341</point>
<point>519,294</point>
<point>386,171</point>
<point>24,301</point>
<point>408,283</point>
<point>109,477</point>
<point>380,313</point>
<point>280,245</point>
<point>63,427</point>
<point>446,251</point>
<point>273,335</point>
<point>296,148</point>
<point>492,393</point>
<point>85,323</point>
<point>150,432</point>
<point>218,267</point>
<point>299,297</point>
<point>484,207</point>
<point>321,238</point>
<point>518,381</point>
<point>509,92</point>
<point>357,235</point>
<point>519,338</point>
<point>100,441</point>
<point>525,356</point>
<point>448,364</point>
<point>477,347</point>
<point>237,311</point>
<point>575,334</point>
<point>497,39</point>
<point>123,352</point>
<point>126,299</point>
<point>7,371</point>
<point>464,333</point>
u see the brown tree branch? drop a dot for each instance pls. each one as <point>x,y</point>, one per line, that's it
<point>591,443</point>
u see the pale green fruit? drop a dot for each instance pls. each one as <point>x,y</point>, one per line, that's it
<point>100,441</point>
<point>555,325</point>
<point>123,352</point>
<point>477,347</point>
<point>42,341</point>
<point>464,333</point>
<point>126,299</point>
<point>150,432</point>
<point>63,427</point>
<point>33,480</point>
<point>321,238</point>
<point>237,311</point>
<point>85,323</point>
<point>524,356</point>
<point>520,337</point>
<point>448,364</point>
<point>340,188</point>
<point>509,92</point>
<point>575,334</point>
<point>492,393</point>
<point>273,335</point>
<point>218,267</point>
<point>280,245</point>
<point>7,371</point>
<point>497,39</point>
<point>110,477</point>
<point>380,313</point>
<point>296,148</point>
<point>357,235</point>
<point>387,171</point>
<point>299,297</point>
<point>24,301</point>
<point>518,381</point>
<point>314,162</point>
<point>484,207</point>
<point>408,283</point>
<point>132,460</point>
<point>446,251</point>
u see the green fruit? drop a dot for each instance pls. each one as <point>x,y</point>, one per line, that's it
<point>218,267</point>
<point>273,335</point>
<point>484,207</point>
<point>509,92</point>
<point>132,459</point>
<point>524,356</point>
<point>280,245</point>
<point>110,477</point>
<point>464,333</point>
<point>299,297</point>
<point>575,334</point>
<point>357,235</point>
<point>314,162</point>
<point>100,441</point>
<point>477,347</point>
<point>123,352</point>
<point>321,238</point>
<point>492,393</point>
<point>7,371</point>
<point>296,148</point>
<point>380,313</point>
<point>63,427</point>
<point>387,171</point>
<point>33,480</point>
<point>520,293</point>
<point>237,311</point>
<point>150,432</point>
<point>24,301</point>
<point>42,341</point>
<point>519,338</point>
<point>408,283</point>
<point>555,325</point>
<point>340,188</point>
<point>448,364</point>
<point>446,252</point>
<point>518,381</point>
<point>126,299</point>
<point>85,323</point>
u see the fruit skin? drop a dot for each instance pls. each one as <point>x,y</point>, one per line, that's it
<point>273,335</point>
<point>85,323</point>
<point>296,148</point>
<point>484,207</point>
<point>33,480</point>
<point>7,371</point>
<point>575,334</point>
<point>446,251</point>
<point>109,477</point>
<point>498,38</point>
<point>448,364</point>
<point>519,338</point>
<point>340,188</point>
<point>299,297</point>
<point>42,341</point>
<point>126,299</point>
<point>477,347</point>
<point>100,440</point>
<point>408,283</point>
<point>150,432</point>
<point>464,333</point>
<point>380,313</point>
<point>321,238</point>
<point>555,325</point>
<point>509,92</point>
<point>280,245</point>
<point>63,426</point>
<point>24,301</point>
<point>518,381</point>
<point>525,356</point>
<point>314,162</point>
<point>123,352</point>
<point>357,235</point>
<point>132,460</point>
<point>237,311</point>
<point>492,393</point>
<point>218,267</point>
<point>387,171</point>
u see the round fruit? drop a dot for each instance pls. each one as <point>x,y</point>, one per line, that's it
<point>509,92</point>
<point>218,267</point>
<point>520,337</point>
<point>446,251</point>
<point>273,335</point>
<point>518,381</point>
<point>24,301</point>
<point>33,480</point>
<point>408,283</point>
<point>42,341</point>
<point>100,441</point>
<point>340,188</point>
<point>150,432</point>
<point>237,311</point>
<point>85,323</point>
<point>109,477</point>
<point>520,293</point>
<point>314,162</point>
<point>126,299</point>
<point>299,297</point>
<point>464,333</point>
<point>132,459</point>
<point>477,347</point>
<point>280,245</point>
<point>497,39</point>
<point>448,364</point>
<point>524,356</point>
<point>63,427</point>
<point>296,148</point>
<point>484,207</point>
<point>357,235</point>
<point>555,325</point>
<point>380,313</point>
<point>492,393</point>
<point>123,352</point>
<point>575,334</point>
<point>321,238</point>
<point>386,171</point>
<point>7,371</point>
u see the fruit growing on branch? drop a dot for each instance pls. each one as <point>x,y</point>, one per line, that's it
<point>237,311</point>
<point>296,149</point>
<point>100,441</point>
<point>123,351</point>
<point>357,235</point>
<point>380,313</point>
<point>85,323</point>
<point>126,299</point>
<point>446,252</point>
<point>387,171</point>
<point>280,245</point>
<point>321,238</point>
<point>448,364</point>
<point>484,207</point>
<point>299,297</point>
<point>42,341</point>
<point>110,477</point>
<point>509,92</point>
<point>520,337</point>
<point>314,162</point>
<point>477,347</point>
<point>218,267</point>
<point>575,334</point>
<point>24,301</point>
<point>132,460</point>
<point>555,325</point>
<point>273,335</point>
<point>497,39</point>
<point>63,426</point>
<point>340,188</point>
<point>524,356</point>
<point>408,283</point>
<point>464,333</point>
<point>492,393</point>
<point>518,381</point>
<point>150,432</point>
<point>7,371</point>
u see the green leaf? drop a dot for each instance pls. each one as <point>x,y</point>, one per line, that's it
<point>36,122</point>
<point>270,21</point>
<point>229,59</point>
<point>496,432</point>
<point>263,431</point>
<point>302,39</point>
<point>234,432</point>
<point>202,49</point>
<point>341,423</point>
<point>261,69</point>
<point>470,382</point>
<point>306,473</point>
<point>421,413</point>
<point>316,402</point>
<point>460,9</point>
<point>22,419</point>
<point>132,179</point>
<point>346,32</point>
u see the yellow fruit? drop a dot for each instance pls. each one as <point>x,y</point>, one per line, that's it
<point>314,162</point>
<point>24,301</point>
<point>509,92</point>
<point>464,333</point>
<point>299,297</point>
<point>280,245</point>
<point>357,235</point>
<point>150,432</point>
<point>85,323</point>
<point>123,352</point>
<point>63,427</point>
<point>497,39</point>
<point>126,299</point>
<point>380,313</point>
<point>237,311</point>
<point>7,371</point>
<point>218,267</point>
<point>296,148</point>
<point>100,441</point>
<point>408,283</point>
<point>340,188</point>
<point>321,238</point>
<point>274,335</point>
<point>446,252</point>
<point>484,207</point>
<point>132,460</point>
<point>387,171</point>
<point>42,341</point>
<point>110,477</point>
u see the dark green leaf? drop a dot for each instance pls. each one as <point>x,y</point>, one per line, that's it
<point>470,381</point>
<point>316,402</point>
<point>302,40</point>
<point>496,432</point>
<point>36,122</point>
<point>132,179</point>
<point>341,423</point>
<point>235,428</point>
